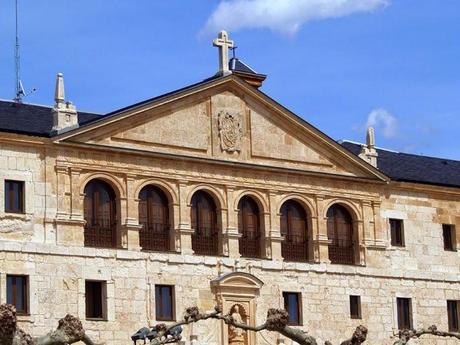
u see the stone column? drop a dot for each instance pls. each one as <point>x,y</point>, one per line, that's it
<point>322,241</point>
<point>184,229</point>
<point>360,250</point>
<point>274,227</point>
<point>232,235</point>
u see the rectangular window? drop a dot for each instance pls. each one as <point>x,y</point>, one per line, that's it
<point>448,234</point>
<point>453,315</point>
<point>404,306</point>
<point>164,302</point>
<point>397,232</point>
<point>292,304</point>
<point>355,307</point>
<point>14,196</point>
<point>17,292</point>
<point>96,299</point>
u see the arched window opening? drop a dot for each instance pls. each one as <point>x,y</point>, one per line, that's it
<point>294,229</point>
<point>340,235</point>
<point>154,219</point>
<point>205,239</point>
<point>100,214</point>
<point>249,228</point>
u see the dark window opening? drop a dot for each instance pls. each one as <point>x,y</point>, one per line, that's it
<point>294,229</point>
<point>249,227</point>
<point>397,232</point>
<point>340,235</point>
<point>453,315</point>
<point>404,307</point>
<point>17,292</point>
<point>292,304</point>
<point>100,215</point>
<point>164,302</point>
<point>14,196</point>
<point>95,294</point>
<point>203,214</point>
<point>448,234</point>
<point>355,307</point>
<point>154,219</point>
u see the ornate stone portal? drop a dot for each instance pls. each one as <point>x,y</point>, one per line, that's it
<point>230,131</point>
<point>236,293</point>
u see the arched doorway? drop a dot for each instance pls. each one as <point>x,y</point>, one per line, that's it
<point>249,228</point>
<point>154,219</point>
<point>100,213</point>
<point>340,235</point>
<point>203,214</point>
<point>294,229</point>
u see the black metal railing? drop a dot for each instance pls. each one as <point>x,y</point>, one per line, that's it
<point>294,248</point>
<point>154,237</point>
<point>100,233</point>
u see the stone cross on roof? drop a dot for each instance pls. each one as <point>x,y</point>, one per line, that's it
<point>224,43</point>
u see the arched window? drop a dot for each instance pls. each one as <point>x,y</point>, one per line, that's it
<point>340,235</point>
<point>100,215</point>
<point>154,219</point>
<point>205,239</point>
<point>249,227</point>
<point>294,228</point>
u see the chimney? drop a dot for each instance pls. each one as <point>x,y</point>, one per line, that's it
<point>368,151</point>
<point>65,116</point>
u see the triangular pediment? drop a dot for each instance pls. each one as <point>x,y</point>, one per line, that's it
<point>225,120</point>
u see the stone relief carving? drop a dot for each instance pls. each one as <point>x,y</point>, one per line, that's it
<point>230,131</point>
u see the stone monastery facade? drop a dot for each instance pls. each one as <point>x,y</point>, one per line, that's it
<point>216,194</point>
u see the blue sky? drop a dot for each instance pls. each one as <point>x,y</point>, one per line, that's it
<point>394,64</point>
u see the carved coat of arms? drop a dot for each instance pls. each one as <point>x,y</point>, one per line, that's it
<point>230,131</point>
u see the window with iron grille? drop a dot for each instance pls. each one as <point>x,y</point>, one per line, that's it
<point>294,229</point>
<point>340,235</point>
<point>154,219</point>
<point>17,293</point>
<point>449,238</point>
<point>397,232</point>
<point>404,308</point>
<point>100,214</point>
<point>453,315</point>
<point>293,305</point>
<point>14,196</point>
<point>203,216</point>
<point>96,300</point>
<point>164,302</point>
<point>249,228</point>
<point>355,307</point>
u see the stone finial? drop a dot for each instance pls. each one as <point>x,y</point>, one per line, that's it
<point>368,151</point>
<point>65,116</point>
<point>59,94</point>
<point>224,44</point>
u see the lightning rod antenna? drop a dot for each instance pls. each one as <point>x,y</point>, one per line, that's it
<point>17,61</point>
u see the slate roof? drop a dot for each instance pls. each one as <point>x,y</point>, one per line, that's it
<point>30,119</point>
<point>407,167</point>
<point>236,64</point>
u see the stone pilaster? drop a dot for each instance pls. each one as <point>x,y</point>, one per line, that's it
<point>275,237</point>
<point>321,238</point>
<point>184,229</point>
<point>231,236</point>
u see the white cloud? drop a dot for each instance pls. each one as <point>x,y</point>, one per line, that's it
<point>285,16</point>
<point>382,119</point>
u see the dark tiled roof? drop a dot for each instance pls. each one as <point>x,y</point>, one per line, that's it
<point>33,119</point>
<point>414,168</point>
<point>236,64</point>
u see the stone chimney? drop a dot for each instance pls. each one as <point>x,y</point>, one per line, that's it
<point>65,116</point>
<point>368,151</point>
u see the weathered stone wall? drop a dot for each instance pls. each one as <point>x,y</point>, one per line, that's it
<point>46,243</point>
<point>57,278</point>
